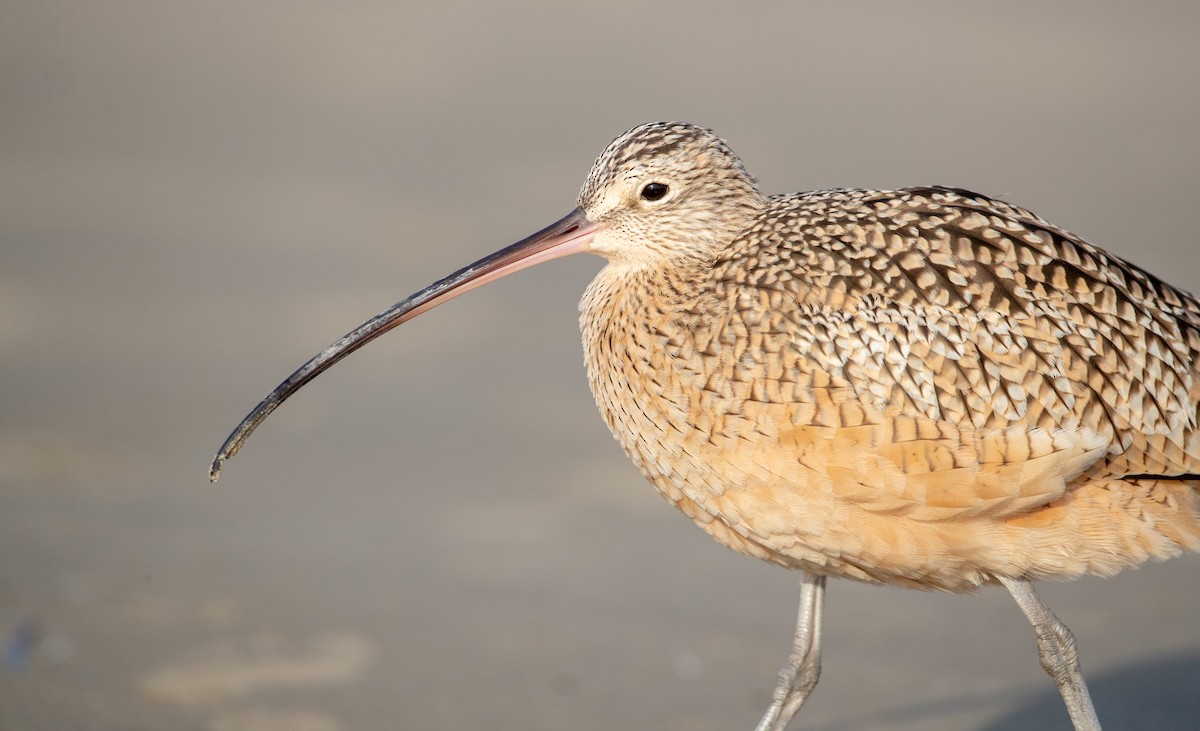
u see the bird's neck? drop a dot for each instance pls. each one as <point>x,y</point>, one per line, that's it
<point>635,316</point>
<point>638,325</point>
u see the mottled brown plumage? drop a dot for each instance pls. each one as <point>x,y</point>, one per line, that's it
<point>925,387</point>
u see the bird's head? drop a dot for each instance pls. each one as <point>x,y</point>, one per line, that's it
<point>666,189</point>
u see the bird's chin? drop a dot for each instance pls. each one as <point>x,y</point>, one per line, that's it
<point>643,252</point>
<point>611,246</point>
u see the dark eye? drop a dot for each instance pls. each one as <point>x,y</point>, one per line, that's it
<point>654,191</point>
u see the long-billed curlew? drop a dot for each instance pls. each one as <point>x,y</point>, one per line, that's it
<point>924,387</point>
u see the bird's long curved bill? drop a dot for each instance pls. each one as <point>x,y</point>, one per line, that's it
<point>570,235</point>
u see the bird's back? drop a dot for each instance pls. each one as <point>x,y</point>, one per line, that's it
<point>969,309</point>
<point>866,375</point>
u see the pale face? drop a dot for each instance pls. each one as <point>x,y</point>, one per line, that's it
<point>666,189</point>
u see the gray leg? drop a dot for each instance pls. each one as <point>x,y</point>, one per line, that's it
<point>1056,650</point>
<point>799,675</point>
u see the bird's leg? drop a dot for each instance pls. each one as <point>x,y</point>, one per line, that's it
<point>799,674</point>
<point>1057,652</point>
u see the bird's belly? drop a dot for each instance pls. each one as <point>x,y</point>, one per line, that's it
<point>765,487</point>
<point>902,501</point>
<point>811,498</point>
<point>802,519</point>
<point>773,494</point>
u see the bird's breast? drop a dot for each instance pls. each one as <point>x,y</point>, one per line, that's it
<point>682,407</point>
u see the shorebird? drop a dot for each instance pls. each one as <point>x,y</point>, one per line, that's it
<point>923,387</point>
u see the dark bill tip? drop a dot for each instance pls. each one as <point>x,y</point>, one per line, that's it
<point>570,235</point>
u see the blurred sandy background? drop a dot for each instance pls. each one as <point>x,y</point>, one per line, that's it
<point>440,533</point>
